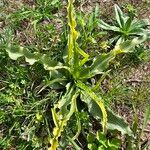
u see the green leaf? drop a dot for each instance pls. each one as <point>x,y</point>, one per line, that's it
<point>54,2</point>
<point>92,146</point>
<point>146,119</point>
<point>129,45</point>
<point>128,24</point>
<point>90,22</point>
<point>55,117</point>
<point>54,84</point>
<point>60,121</point>
<point>72,59</point>
<point>91,138</point>
<point>114,143</point>
<point>101,136</point>
<point>114,121</point>
<point>127,27</point>
<point>106,26</point>
<point>73,143</point>
<point>146,22</point>
<point>99,65</point>
<point>101,147</point>
<point>65,101</point>
<point>97,12</point>
<point>82,53</point>
<point>96,99</point>
<point>119,16</point>
<point>15,52</point>
<point>137,28</point>
<point>79,126</point>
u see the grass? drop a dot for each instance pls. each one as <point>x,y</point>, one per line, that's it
<point>25,116</point>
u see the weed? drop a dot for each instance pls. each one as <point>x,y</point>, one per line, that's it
<point>43,104</point>
<point>126,27</point>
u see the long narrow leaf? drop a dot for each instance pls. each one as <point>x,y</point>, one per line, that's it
<point>99,65</point>
<point>128,23</point>
<point>55,118</point>
<point>114,121</point>
<point>119,16</point>
<point>97,99</point>
<point>62,122</point>
<point>73,59</point>
<point>106,26</point>
<point>129,45</point>
<point>15,52</point>
<point>73,143</point>
<point>73,35</point>
<point>146,119</point>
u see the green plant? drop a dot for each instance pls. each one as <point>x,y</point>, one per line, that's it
<point>73,77</point>
<point>20,105</point>
<point>122,95</point>
<point>101,142</point>
<point>135,141</point>
<point>126,27</point>
<point>44,11</point>
<point>35,26</point>
<point>88,26</point>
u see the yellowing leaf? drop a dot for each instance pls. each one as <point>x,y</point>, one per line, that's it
<point>97,100</point>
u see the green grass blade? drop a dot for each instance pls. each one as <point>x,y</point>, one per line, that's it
<point>146,119</point>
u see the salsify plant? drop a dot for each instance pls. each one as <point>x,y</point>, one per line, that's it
<point>75,74</point>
